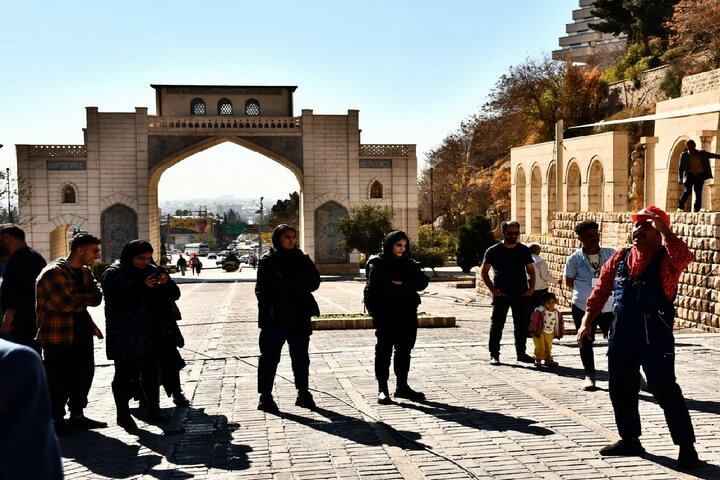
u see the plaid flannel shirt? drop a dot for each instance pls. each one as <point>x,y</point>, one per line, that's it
<point>58,301</point>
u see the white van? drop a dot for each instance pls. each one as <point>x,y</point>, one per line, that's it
<point>199,249</point>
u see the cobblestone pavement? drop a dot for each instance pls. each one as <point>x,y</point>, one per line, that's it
<point>480,421</point>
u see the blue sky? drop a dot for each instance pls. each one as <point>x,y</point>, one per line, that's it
<point>414,68</point>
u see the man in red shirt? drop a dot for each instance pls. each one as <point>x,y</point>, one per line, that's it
<point>644,280</point>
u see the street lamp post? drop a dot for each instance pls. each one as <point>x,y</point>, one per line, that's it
<point>260,225</point>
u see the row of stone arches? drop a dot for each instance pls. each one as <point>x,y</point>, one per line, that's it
<point>541,190</point>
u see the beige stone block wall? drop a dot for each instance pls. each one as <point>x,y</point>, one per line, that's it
<point>701,82</point>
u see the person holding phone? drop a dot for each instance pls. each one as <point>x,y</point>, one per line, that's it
<point>131,288</point>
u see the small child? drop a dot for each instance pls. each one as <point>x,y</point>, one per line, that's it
<point>546,323</point>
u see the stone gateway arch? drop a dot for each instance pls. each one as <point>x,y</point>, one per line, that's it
<point>108,185</point>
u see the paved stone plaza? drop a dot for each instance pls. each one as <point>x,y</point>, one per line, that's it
<point>479,421</point>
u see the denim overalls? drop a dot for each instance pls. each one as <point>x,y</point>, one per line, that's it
<point>641,335</point>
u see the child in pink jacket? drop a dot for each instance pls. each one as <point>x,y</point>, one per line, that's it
<point>546,323</point>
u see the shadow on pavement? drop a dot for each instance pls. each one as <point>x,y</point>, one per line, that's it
<point>107,456</point>
<point>704,470</point>
<point>357,430</point>
<point>206,440</point>
<point>478,419</point>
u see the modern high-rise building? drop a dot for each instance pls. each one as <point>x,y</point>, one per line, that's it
<point>582,44</point>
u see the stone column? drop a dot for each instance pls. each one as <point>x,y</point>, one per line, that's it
<point>648,144</point>
<point>711,197</point>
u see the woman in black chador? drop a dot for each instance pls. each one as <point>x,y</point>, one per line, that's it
<point>132,291</point>
<point>393,280</point>
<point>285,279</point>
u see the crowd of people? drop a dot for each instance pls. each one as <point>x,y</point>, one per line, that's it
<point>628,294</point>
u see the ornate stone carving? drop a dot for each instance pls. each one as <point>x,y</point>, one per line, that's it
<point>374,150</point>
<point>327,237</point>
<point>53,151</point>
<point>385,163</point>
<point>636,180</point>
<point>119,225</point>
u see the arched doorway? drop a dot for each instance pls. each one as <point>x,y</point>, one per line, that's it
<point>595,187</point>
<point>119,225</point>
<point>675,189</point>
<point>573,188</point>
<point>327,237</point>
<point>520,196</point>
<point>535,201</point>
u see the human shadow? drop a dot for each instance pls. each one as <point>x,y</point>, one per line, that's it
<point>358,430</point>
<point>560,370</point>
<point>109,457</point>
<point>478,419</point>
<point>703,470</point>
<point>205,440</point>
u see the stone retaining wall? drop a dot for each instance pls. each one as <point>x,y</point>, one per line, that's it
<point>645,90</point>
<point>699,289</point>
<point>701,82</point>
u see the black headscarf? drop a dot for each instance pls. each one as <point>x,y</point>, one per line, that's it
<point>277,233</point>
<point>131,250</point>
<point>391,239</point>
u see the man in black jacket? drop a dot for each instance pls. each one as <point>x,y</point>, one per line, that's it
<point>18,287</point>
<point>693,171</point>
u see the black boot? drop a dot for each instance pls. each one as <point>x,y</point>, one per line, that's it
<point>305,400</point>
<point>623,448</point>
<point>267,403</point>
<point>688,457</point>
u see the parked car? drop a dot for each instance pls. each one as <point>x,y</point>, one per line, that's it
<point>212,256</point>
<point>245,259</point>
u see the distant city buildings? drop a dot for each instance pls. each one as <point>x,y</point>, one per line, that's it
<point>583,44</point>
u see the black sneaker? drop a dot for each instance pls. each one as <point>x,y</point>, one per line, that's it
<point>623,448</point>
<point>688,457</point>
<point>409,393</point>
<point>305,400</point>
<point>383,398</point>
<point>525,358</point>
<point>126,422</point>
<point>85,423</point>
<point>180,400</point>
<point>267,404</point>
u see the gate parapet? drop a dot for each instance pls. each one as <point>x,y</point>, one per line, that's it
<point>380,150</point>
<point>57,151</point>
<point>223,124</point>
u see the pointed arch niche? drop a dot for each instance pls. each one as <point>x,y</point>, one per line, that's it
<point>520,195</point>
<point>595,186</point>
<point>573,187</point>
<point>535,201</point>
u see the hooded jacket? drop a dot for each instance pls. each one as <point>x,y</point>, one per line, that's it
<point>129,311</point>
<point>285,282</point>
<point>385,299</point>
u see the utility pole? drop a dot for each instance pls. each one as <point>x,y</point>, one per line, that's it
<point>10,215</point>
<point>260,225</point>
<point>432,205</point>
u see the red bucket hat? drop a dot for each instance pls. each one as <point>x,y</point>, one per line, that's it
<point>652,209</point>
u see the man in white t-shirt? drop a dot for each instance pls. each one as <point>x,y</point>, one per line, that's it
<point>582,271</point>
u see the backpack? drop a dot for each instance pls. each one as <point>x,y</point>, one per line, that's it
<point>369,300</point>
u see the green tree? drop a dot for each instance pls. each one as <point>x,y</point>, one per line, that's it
<point>639,19</point>
<point>431,247</point>
<point>286,211</point>
<point>473,239</point>
<point>365,228</point>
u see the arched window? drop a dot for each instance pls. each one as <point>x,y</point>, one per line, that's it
<point>68,194</point>
<point>376,189</point>
<point>197,107</point>
<point>225,107</point>
<point>252,107</point>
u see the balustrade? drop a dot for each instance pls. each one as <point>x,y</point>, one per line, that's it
<point>57,151</point>
<point>167,124</point>
<point>380,150</point>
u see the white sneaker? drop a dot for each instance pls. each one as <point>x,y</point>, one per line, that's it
<point>589,384</point>
<point>494,361</point>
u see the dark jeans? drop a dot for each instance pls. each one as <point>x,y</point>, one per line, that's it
<point>602,320</point>
<point>127,371</point>
<point>401,336</point>
<point>520,307</point>
<point>70,370</point>
<point>695,183</point>
<point>271,342</point>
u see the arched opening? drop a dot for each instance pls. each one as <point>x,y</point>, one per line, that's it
<point>552,196</point>
<point>69,194</point>
<point>520,196</point>
<point>327,237</point>
<point>119,225</point>
<point>535,201</point>
<point>573,188</point>
<point>252,108</point>
<point>595,187</point>
<point>197,107</point>
<point>60,241</point>
<point>220,185</point>
<point>675,189</point>
<point>225,107</point>
<point>376,189</point>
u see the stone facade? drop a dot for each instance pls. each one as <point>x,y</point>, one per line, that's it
<point>701,82</point>
<point>115,173</point>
